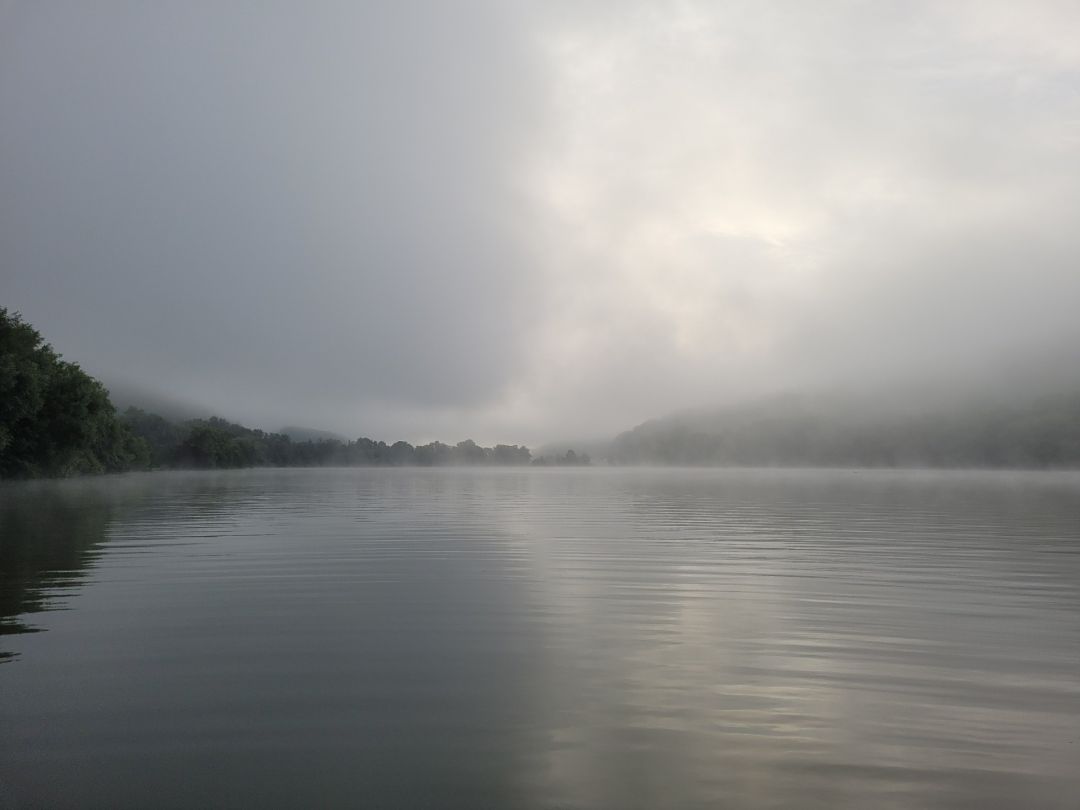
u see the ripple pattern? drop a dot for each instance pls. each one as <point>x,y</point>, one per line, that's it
<point>577,638</point>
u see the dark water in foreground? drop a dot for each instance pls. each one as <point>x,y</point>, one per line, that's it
<point>541,638</point>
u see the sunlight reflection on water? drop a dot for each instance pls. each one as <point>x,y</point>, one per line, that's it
<point>542,638</point>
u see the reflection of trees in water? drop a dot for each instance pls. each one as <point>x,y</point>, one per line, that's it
<point>48,540</point>
<point>53,532</point>
<point>404,666</point>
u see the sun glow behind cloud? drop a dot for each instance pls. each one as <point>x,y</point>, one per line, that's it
<point>523,221</point>
<point>731,185</point>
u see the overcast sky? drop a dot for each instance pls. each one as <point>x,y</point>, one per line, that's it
<point>521,222</point>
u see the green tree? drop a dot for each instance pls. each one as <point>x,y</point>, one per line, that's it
<point>55,419</point>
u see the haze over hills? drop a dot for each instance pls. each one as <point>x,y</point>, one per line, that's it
<point>1021,414</point>
<point>519,222</point>
<point>1021,410</point>
<point>1040,430</point>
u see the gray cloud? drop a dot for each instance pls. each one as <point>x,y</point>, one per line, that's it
<point>521,220</point>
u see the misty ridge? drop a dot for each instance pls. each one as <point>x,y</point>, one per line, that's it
<point>1035,430</point>
<point>523,223</point>
<point>57,420</point>
<point>1041,432</point>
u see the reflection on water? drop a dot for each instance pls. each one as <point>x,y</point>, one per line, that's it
<point>542,638</point>
<point>48,537</point>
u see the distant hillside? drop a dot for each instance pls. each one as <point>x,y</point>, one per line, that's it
<point>303,434</point>
<point>1041,431</point>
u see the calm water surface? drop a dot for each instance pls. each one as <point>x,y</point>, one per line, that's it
<point>541,639</point>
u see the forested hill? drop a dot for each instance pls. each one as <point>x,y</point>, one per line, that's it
<point>56,420</point>
<point>1038,432</point>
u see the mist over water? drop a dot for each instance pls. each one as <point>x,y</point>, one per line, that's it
<point>542,638</point>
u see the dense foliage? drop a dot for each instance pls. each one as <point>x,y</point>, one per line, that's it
<point>54,418</point>
<point>213,443</point>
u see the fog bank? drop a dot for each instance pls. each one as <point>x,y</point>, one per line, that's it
<point>515,222</point>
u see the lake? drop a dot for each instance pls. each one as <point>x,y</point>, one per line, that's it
<point>541,638</point>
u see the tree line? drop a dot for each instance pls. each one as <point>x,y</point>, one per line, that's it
<point>218,443</point>
<point>57,420</point>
